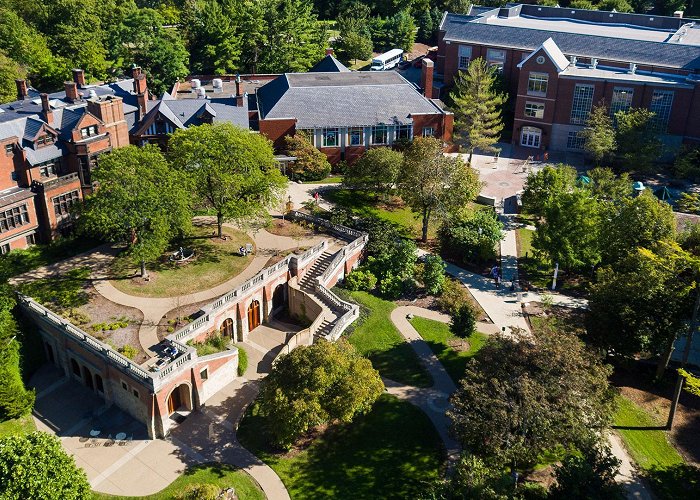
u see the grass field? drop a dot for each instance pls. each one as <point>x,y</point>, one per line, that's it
<point>222,475</point>
<point>215,261</point>
<point>21,425</point>
<point>334,179</point>
<point>438,335</point>
<point>388,453</point>
<point>376,337</point>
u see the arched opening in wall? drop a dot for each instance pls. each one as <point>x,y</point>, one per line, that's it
<point>278,297</point>
<point>98,383</point>
<point>74,366</point>
<point>180,399</point>
<point>49,353</point>
<point>227,328</point>
<point>253,315</point>
<point>87,378</point>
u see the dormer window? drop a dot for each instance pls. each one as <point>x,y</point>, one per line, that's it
<point>44,140</point>
<point>88,131</point>
<point>9,149</point>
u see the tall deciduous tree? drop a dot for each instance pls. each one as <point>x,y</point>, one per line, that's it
<point>9,72</point>
<point>637,143</point>
<point>214,40</point>
<point>36,466</point>
<point>599,135</point>
<point>15,400</point>
<point>400,31</point>
<point>355,45</point>
<point>231,170</point>
<point>524,395</point>
<point>543,186</point>
<point>471,234</point>
<point>310,163</point>
<point>477,106</point>
<point>433,184</point>
<point>140,201</point>
<point>315,385</point>
<point>378,169</point>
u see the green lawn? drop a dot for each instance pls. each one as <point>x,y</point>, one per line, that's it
<point>388,453</point>
<point>376,337</point>
<point>366,204</point>
<point>215,261</point>
<point>437,335</point>
<point>222,475</point>
<point>334,179</point>
<point>21,425</point>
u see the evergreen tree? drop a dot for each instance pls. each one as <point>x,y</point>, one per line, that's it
<point>477,106</point>
<point>426,26</point>
<point>214,43</point>
<point>400,31</point>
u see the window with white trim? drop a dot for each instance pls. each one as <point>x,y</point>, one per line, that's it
<point>534,109</point>
<point>380,134</point>
<point>537,84</point>
<point>404,132</point>
<point>62,203</point>
<point>464,56</point>
<point>581,104</point>
<point>661,102</point>
<point>90,131</point>
<point>331,139</point>
<point>9,148</point>
<point>356,136</point>
<point>428,131</point>
<point>575,141</point>
<point>621,100</point>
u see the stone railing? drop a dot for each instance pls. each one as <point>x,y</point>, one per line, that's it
<point>302,337</point>
<point>335,229</point>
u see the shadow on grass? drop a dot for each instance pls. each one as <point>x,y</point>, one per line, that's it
<point>640,428</point>
<point>678,481</point>
<point>63,292</point>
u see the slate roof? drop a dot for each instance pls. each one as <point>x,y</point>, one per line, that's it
<point>358,98</point>
<point>460,28</point>
<point>183,113</point>
<point>328,64</point>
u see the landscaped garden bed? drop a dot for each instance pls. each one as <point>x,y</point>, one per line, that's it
<point>215,261</point>
<point>291,229</point>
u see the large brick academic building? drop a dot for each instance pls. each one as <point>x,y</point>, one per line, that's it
<point>559,62</point>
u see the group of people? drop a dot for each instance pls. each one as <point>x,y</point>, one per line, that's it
<point>498,278</point>
<point>243,251</point>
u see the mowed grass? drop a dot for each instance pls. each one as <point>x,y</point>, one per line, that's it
<point>215,262</point>
<point>375,336</point>
<point>438,336</point>
<point>16,426</point>
<point>391,452</point>
<point>221,475</point>
<point>333,179</point>
<point>366,204</point>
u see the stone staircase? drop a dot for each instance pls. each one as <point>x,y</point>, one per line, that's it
<point>308,285</point>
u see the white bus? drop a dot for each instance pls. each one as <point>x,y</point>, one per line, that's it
<point>387,60</point>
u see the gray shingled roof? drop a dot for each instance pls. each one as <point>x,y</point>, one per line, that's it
<point>459,28</point>
<point>183,113</point>
<point>328,64</point>
<point>44,153</point>
<point>342,99</point>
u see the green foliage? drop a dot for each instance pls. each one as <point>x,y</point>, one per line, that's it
<point>394,268</point>
<point>582,4</point>
<point>360,280</point>
<point>314,385</point>
<point>463,322</point>
<point>230,170</point>
<point>687,164</point>
<point>543,186</point>
<point>129,351</point>
<point>599,134</point>
<point>616,5</point>
<point>606,186</point>
<point>15,400</point>
<point>392,286</point>
<point>378,169</point>
<point>242,360</point>
<point>692,383</point>
<point>36,466</point>
<point>433,275</point>
<point>211,345</point>
<point>310,163</point>
<point>474,477</point>
<point>214,37</point>
<point>471,235</point>
<point>199,491</point>
<point>454,296</point>
<point>399,31</point>
<point>433,184</point>
<point>60,293</point>
<point>587,475</point>
<point>637,143</point>
<point>354,45</point>
<point>477,105</point>
<point>9,72</point>
<point>142,207</point>
<point>689,203</point>
<point>529,395</point>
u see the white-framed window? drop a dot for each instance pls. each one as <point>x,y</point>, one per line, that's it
<point>88,131</point>
<point>581,104</point>
<point>464,55</point>
<point>404,132</point>
<point>534,109</point>
<point>496,58</point>
<point>531,137</point>
<point>575,141</point>
<point>9,148</point>
<point>621,100</point>
<point>331,139</point>
<point>31,239</point>
<point>204,374</point>
<point>4,248</point>
<point>13,218</point>
<point>428,131</point>
<point>537,84</point>
<point>356,136</point>
<point>380,134</point>
<point>661,102</point>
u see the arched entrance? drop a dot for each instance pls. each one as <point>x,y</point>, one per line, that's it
<point>227,328</point>
<point>75,367</point>
<point>253,315</point>
<point>87,378</point>
<point>278,297</point>
<point>531,137</point>
<point>180,399</point>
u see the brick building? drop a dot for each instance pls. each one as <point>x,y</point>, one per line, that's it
<point>559,62</point>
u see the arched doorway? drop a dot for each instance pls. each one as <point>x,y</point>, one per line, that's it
<point>98,383</point>
<point>87,378</point>
<point>253,315</point>
<point>531,137</point>
<point>278,297</point>
<point>180,399</point>
<point>227,328</point>
<point>75,367</point>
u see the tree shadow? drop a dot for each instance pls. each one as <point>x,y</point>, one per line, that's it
<point>674,482</point>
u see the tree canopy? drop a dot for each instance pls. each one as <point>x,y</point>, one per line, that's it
<point>378,169</point>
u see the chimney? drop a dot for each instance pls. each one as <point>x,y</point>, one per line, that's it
<point>71,91</point>
<point>678,14</point>
<point>239,91</point>
<point>330,52</point>
<point>22,91</point>
<point>426,77</point>
<point>135,71</point>
<point>46,112</point>
<point>633,68</point>
<point>79,77</point>
<point>141,89</point>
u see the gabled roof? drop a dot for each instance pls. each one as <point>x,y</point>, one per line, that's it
<point>182,113</point>
<point>555,55</point>
<point>357,98</point>
<point>328,64</point>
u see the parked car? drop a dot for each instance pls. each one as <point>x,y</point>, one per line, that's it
<point>404,64</point>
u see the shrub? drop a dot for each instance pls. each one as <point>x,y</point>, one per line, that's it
<point>242,361</point>
<point>78,317</point>
<point>463,321</point>
<point>129,351</point>
<point>454,295</point>
<point>310,164</point>
<point>170,329</point>
<point>360,280</point>
<point>471,235</point>
<point>392,287</point>
<point>198,491</point>
<point>687,164</point>
<point>589,474</point>
<point>433,274</point>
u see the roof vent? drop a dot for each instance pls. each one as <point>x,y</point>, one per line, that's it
<point>92,94</point>
<point>678,13</point>
<point>594,63</point>
<point>195,83</point>
<point>573,60</point>
<point>633,68</point>
<point>201,92</point>
<point>217,83</point>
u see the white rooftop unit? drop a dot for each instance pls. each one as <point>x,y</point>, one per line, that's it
<point>201,92</point>
<point>195,83</point>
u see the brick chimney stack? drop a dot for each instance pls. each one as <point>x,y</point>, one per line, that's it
<point>426,77</point>
<point>141,89</point>
<point>330,52</point>
<point>239,91</point>
<point>79,77</point>
<point>135,71</point>
<point>71,91</point>
<point>22,90</point>
<point>46,112</point>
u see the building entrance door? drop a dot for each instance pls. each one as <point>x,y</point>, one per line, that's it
<point>531,137</point>
<point>253,315</point>
<point>174,401</point>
